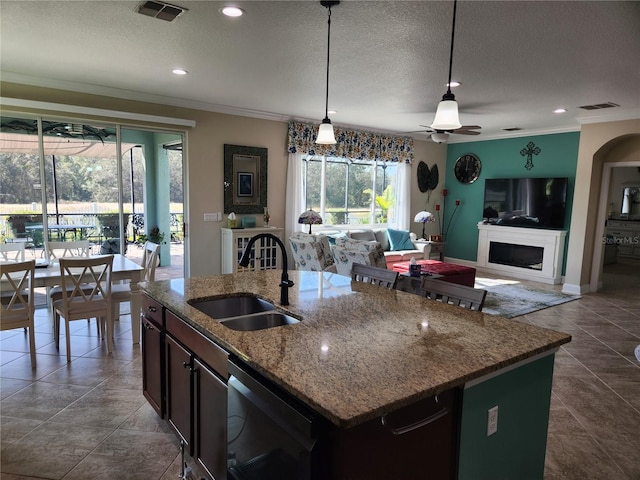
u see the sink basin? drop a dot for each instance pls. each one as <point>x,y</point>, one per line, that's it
<point>225,307</point>
<point>259,321</point>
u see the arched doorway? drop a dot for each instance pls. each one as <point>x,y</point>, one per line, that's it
<point>617,256</point>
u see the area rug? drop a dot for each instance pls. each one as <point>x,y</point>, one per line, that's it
<point>511,298</point>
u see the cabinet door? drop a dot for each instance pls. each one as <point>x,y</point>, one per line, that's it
<point>179,391</point>
<point>152,366</point>
<point>210,421</point>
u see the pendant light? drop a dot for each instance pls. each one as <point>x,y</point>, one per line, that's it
<point>325,131</point>
<point>447,112</point>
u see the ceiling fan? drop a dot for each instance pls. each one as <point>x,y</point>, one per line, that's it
<point>441,136</point>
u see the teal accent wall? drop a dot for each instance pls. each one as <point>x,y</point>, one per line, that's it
<point>501,159</point>
<point>517,449</point>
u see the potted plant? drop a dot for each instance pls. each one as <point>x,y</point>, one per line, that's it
<point>154,235</point>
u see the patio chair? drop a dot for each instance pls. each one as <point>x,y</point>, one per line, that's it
<point>17,306</point>
<point>78,303</point>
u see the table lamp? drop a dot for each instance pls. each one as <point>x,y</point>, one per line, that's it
<point>309,217</point>
<point>423,217</point>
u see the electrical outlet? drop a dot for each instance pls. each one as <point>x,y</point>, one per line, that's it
<point>209,217</point>
<point>492,421</point>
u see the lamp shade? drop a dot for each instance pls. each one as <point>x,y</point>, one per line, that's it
<point>447,115</point>
<point>325,133</point>
<point>424,217</point>
<point>309,217</point>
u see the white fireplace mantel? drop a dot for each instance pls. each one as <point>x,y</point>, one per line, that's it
<point>552,242</point>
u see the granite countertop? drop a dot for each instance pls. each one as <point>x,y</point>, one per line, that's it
<point>360,351</point>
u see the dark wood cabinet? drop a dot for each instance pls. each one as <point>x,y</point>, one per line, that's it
<point>210,395</point>
<point>152,354</point>
<point>196,389</point>
<point>179,363</point>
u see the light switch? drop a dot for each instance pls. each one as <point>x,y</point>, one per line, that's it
<point>209,217</point>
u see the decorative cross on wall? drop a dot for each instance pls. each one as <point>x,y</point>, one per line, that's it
<point>530,151</point>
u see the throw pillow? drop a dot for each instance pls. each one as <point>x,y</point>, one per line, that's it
<point>400,240</point>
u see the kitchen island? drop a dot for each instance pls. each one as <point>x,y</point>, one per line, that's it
<point>361,352</point>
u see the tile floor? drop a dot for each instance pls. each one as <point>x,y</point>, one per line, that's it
<point>90,420</point>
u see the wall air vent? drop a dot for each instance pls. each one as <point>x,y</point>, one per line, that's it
<point>599,106</point>
<point>511,129</point>
<point>161,10</point>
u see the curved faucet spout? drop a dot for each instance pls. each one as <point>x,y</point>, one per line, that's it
<point>285,283</point>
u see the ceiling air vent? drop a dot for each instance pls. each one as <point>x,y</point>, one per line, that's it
<point>161,10</point>
<point>511,129</point>
<point>599,106</point>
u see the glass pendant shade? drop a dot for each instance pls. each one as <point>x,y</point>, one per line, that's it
<point>447,115</point>
<point>325,133</point>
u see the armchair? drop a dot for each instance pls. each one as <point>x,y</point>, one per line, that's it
<point>311,252</point>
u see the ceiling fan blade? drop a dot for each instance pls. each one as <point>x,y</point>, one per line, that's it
<point>470,127</point>
<point>465,132</point>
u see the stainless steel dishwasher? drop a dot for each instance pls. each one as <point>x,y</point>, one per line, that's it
<point>270,435</point>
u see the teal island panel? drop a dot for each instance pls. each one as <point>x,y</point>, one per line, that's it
<point>517,449</point>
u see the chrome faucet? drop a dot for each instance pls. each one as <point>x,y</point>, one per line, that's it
<point>285,283</point>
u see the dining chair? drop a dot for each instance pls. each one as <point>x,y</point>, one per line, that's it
<point>17,306</point>
<point>76,248</point>
<point>453,294</point>
<point>12,252</point>
<point>122,293</point>
<point>374,275</point>
<point>58,250</point>
<point>78,303</point>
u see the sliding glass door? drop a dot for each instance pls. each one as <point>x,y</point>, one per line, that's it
<point>87,193</point>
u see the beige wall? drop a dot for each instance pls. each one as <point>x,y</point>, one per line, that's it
<point>599,143</point>
<point>205,158</point>
<point>432,154</point>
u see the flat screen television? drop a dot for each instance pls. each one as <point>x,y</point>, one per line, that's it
<point>526,202</point>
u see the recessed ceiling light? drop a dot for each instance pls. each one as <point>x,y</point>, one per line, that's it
<point>560,110</point>
<point>232,11</point>
<point>179,71</point>
<point>454,84</point>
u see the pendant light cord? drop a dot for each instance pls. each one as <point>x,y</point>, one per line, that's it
<point>453,31</point>
<point>326,105</point>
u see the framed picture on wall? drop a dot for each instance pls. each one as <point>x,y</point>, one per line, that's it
<point>245,184</point>
<point>245,179</point>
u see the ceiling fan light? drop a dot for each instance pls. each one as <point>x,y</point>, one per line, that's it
<point>440,137</point>
<point>325,133</point>
<point>446,116</point>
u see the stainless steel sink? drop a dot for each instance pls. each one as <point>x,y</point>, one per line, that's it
<point>237,306</point>
<point>259,321</point>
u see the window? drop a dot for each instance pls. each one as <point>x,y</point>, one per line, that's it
<point>349,192</point>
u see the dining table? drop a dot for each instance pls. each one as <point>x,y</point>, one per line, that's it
<point>80,231</point>
<point>48,275</point>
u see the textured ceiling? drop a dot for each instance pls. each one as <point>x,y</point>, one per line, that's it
<point>517,61</point>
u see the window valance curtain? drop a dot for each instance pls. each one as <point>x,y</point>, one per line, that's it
<point>356,144</point>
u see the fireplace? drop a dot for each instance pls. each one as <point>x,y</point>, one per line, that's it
<point>523,256</point>
<point>527,253</point>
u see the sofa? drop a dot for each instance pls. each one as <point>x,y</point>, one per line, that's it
<point>397,245</point>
